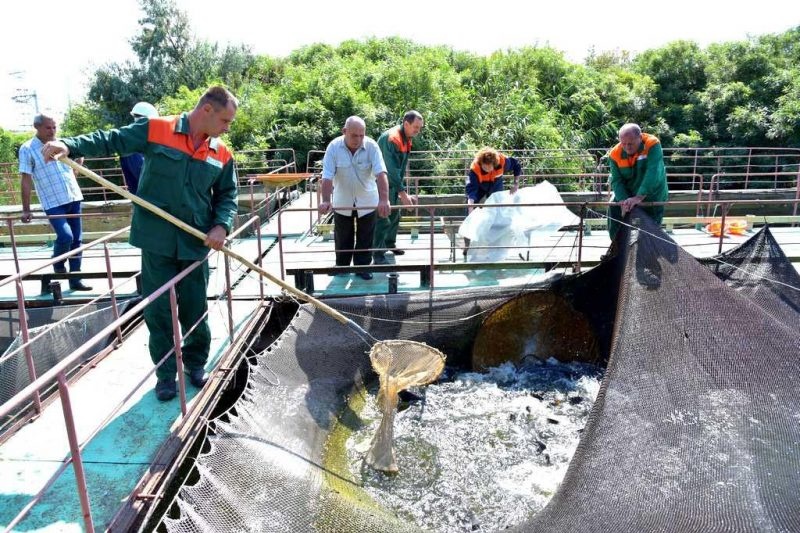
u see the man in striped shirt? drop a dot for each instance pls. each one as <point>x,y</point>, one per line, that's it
<point>58,193</point>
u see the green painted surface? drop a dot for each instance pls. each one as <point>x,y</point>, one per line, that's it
<point>115,459</point>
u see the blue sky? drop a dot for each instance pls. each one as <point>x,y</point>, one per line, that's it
<point>55,54</point>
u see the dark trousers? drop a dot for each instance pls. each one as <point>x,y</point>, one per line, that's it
<point>353,233</point>
<point>68,234</point>
<point>191,291</point>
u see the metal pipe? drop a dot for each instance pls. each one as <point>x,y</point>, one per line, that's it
<point>23,320</point>
<point>228,297</point>
<point>431,213</point>
<point>75,452</point>
<point>176,337</point>
<point>112,292</point>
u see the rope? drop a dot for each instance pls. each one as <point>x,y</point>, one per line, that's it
<point>720,261</point>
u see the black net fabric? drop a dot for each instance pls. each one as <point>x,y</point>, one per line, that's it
<point>273,464</point>
<point>50,344</point>
<point>696,426</point>
<point>697,423</point>
<point>759,270</point>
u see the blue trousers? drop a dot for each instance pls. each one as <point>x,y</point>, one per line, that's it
<point>68,234</point>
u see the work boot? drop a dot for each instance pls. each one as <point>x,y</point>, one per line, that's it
<point>365,275</point>
<point>165,390</point>
<point>197,377</point>
<point>379,259</point>
<point>78,285</point>
<point>398,251</point>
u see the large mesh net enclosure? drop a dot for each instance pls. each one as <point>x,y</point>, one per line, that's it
<point>55,333</point>
<point>696,426</point>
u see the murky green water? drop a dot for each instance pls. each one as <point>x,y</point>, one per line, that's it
<point>481,452</point>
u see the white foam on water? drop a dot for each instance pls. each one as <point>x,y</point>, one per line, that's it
<point>482,451</point>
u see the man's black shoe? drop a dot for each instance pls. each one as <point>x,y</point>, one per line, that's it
<point>365,275</point>
<point>197,377</point>
<point>165,390</point>
<point>380,260</point>
<point>398,251</point>
<point>78,285</point>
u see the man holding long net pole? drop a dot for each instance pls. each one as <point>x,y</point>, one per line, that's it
<point>189,173</point>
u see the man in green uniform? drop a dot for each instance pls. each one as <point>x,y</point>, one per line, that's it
<point>395,145</point>
<point>637,175</point>
<point>190,174</point>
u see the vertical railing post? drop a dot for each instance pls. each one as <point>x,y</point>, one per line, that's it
<point>431,211</point>
<point>577,267</point>
<point>722,227</point>
<point>176,337</point>
<point>23,317</point>
<point>112,292</point>
<point>796,195</point>
<point>253,207</point>
<point>310,205</point>
<point>228,296</point>
<point>280,244</point>
<point>259,259</point>
<point>75,452</point>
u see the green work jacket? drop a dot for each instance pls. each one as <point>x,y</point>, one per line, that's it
<point>197,186</point>
<point>642,173</point>
<point>395,148</point>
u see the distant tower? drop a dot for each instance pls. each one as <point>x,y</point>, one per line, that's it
<point>24,96</point>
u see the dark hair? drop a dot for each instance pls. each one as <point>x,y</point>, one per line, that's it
<point>411,116</point>
<point>218,97</point>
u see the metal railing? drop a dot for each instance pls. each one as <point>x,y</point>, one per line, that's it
<point>432,221</point>
<point>60,370</point>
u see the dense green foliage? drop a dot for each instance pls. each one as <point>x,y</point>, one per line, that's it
<point>744,93</point>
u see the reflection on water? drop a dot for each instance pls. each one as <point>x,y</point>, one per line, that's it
<point>481,452</point>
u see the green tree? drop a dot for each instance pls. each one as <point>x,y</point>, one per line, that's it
<point>168,57</point>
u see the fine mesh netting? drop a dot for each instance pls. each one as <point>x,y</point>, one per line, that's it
<point>697,423</point>
<point>400,365</point>
<point>696,426</point>
<point>50,346</point>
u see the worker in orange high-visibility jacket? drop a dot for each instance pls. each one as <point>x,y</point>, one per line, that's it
<point>637,175</point>
<point>485,175</point>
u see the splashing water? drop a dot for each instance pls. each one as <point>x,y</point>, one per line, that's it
<point>481,452</point>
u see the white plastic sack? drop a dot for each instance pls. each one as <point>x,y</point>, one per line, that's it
<point>517,227</point>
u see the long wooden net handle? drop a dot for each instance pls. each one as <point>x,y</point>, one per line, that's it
<point>202,236</point>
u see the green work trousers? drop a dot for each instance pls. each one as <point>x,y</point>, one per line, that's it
<point>386,228</point>
<point>191,292</point>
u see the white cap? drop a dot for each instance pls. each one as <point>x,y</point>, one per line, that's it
<point>144,109</point>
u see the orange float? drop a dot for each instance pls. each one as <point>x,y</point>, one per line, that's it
<point>732,227</point>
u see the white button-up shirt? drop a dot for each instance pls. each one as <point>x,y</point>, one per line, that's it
<point>54,181</point>
<point>353,175</point>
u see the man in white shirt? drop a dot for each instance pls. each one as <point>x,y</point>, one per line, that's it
<point>354,171</point>
<point>58,193</point>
